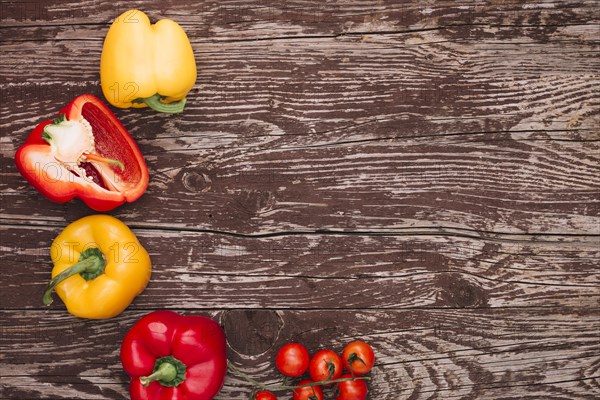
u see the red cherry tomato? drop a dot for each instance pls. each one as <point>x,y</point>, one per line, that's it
<point>308,392</point>
<point>292,359</point>
<point>324,365</point>
<point>352,390</point>
<point>265,395</point>
<point>358,357</point>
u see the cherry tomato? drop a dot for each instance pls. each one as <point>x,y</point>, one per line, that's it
<point>324,365</point>
<point>308,392</point>
<point>358,357</point>
<point>352,390</point>
<point>292,359</point>
<point>265,395</point>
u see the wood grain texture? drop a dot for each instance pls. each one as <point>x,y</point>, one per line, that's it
<point>265,142</point>
<point>242,20</point>
<point>334,271</point>
<point>420,354</point>
<point>421,175</point>
<point>481,184</point>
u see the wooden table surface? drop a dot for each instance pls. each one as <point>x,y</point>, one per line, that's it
<point>420,175</point>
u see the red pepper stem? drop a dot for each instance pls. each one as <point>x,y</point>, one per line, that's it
<point>91,263</point>
<point>99,158</point>
<point>240,374</point>
<point>155,103</point>
<point>166,373</point>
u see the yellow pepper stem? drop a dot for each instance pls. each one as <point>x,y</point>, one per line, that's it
<point>91,263</point>
<point>155,103</point>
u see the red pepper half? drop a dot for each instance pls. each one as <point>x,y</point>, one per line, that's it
<point>174,357</point>
<point>86,152</point>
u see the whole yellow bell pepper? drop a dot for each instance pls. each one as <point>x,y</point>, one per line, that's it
<point>99,267</point>
<point>145,64</point>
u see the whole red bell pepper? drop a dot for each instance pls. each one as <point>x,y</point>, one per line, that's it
<point>174,357</point>
<point>87,153</point>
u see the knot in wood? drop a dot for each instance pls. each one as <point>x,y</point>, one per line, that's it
<point>251,332</point>
<point>254,202</point>
<point>196,181</point>
<point>459,292</point>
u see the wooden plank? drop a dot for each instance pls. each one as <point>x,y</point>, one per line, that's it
<point>493,183</point>
<point>205,271</point>
<point>537,353</point>
<point>243,20</point>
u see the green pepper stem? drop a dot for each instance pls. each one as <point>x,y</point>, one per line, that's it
<point>237,372</point>
<point>155,103</point>
<point>166,373</point>
<point>91,263</point>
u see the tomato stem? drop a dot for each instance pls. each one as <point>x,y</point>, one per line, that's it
<point>240,374</point>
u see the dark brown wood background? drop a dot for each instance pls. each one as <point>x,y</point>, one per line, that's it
<point>420,175</point>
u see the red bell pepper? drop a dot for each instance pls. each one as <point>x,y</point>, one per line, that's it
<point>87,153</point>
<point>174,357</point>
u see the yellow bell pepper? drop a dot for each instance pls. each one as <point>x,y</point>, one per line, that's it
<point>99,267</point>
<point>145,64</point>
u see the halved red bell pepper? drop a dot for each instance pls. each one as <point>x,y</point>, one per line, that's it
<point>174,357</point>
<point>86,152</point>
